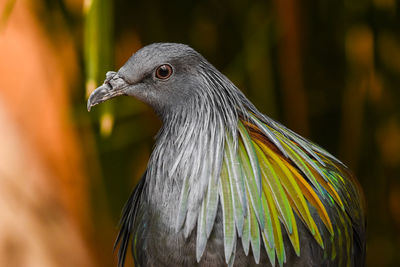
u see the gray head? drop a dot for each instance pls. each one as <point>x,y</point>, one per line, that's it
<point>163,75</point>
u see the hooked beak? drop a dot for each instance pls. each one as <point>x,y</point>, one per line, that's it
<point>113,86</point>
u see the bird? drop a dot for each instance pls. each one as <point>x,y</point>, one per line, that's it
<point>226,185</point>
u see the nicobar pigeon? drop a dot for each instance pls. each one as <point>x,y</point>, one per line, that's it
<point>226,185</point>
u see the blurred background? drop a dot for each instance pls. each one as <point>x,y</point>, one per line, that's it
<point>329,70</point>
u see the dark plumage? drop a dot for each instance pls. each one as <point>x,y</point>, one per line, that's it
<point>226,184</point>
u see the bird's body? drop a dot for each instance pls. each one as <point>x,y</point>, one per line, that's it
<point>225,184</point>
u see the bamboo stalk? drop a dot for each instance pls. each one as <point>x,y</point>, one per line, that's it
<point>98,53</point>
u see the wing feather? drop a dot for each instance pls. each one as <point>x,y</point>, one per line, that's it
<point>228,212</point>
<point>246,233</point>
<point>250,182</point>
<point>270,175</point>
<point>237,185</point>
<point>201,236</point>
<point>272,185</point>
<point>251,155</point>
<point>254,235</point>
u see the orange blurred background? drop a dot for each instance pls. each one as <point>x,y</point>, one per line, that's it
<point>328,70</point>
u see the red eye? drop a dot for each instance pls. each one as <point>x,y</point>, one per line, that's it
<point>164,71</point>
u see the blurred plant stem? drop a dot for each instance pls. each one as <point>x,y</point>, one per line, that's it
<point>98,52</point>
<point>294,95</point>
<point>5,14</point>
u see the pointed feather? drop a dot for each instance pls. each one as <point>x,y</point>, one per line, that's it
<point>274,187</point>
<point>333,251</point>
<point>304,144</point>
<point>340,245</point>
<point>183,204</point>
<point>233,256</point>
<point>294,236</point>
<point>269,173</point>
<point>201,235</point>
<point>183,153</point>
<point>250,181</point>
<point>269,134</point>
<point>228,213</point>
<point>237,187</point>
<point>251,155</point>
<point>268,230</point>
<point>313,229</point>
<point>290,184</point>
<point>294,145</point>
<point>348,240</point>
<point>212,189</point>
<point>278,239</point>
<point>314,200</point>
<point>246,234</point>
<point>318,236</point>
<point>212,204</point>
<point>270,250</point>
<point>254,235</point>
<point>332,192</point>
<point>295,157</point>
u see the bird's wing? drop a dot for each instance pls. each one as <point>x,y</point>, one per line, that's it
<point>127,222</point>
<point>270,175</point>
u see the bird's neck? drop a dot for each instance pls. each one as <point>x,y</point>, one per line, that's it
<point>189,148</point>
<point>180,147</point>
<point>185,149</point>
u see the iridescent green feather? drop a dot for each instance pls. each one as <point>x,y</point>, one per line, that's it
<point>246,233</point>
<point>268,230</point>
<point>259,189</point>
<point>251,155</point>
<point>250,182</point>
<point>228,212</point>
<point>254,235</point>
<point>275,188</point>
<point>270,250</point>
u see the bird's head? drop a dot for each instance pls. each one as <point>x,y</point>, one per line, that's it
<point>162,75</point>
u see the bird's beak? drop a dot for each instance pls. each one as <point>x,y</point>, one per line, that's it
<point>113,86</point>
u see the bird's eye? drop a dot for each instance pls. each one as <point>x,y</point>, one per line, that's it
<point>164,72</point>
